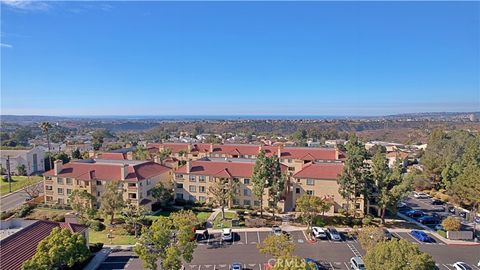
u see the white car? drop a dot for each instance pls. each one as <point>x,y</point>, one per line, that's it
<point>277,230</point>
<point>227,234</point>
<point>319,233</point>
<point>356,263</point>
<point>420,195</point>
<point>461,266</point>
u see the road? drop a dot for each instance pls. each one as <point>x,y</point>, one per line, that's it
<point>16,199</point>
<point>214,254</point>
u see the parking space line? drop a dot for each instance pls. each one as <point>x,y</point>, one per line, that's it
<point>475,267</point>
<point>446,266</point>
<point>397,235</point>
<point>246,238</point>
<point>258,235</point>
<point>260,265</point>
<point>414,238</point>
<point>346,265</point>
<point>199,267</point>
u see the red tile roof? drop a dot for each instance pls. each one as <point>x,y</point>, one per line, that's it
<point>320,171</point>
<point>103,170</point>
<point>302,153</point>
<point>22,245</point>
<point>117,156</point>
<point>220,168</point>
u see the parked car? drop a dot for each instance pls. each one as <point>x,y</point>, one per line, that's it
<point>276,230</point>
<point>319,233</point>
<point>387,234</point>
<point>333,234</point>
<point>227,234</point>
<point>402,205</point>
<point>461,266</point>
<point>421,236</point>
<point>463,214</point>
<point>420,195</point>
<point>236,266</point>
<point>437,202</point>
<point>451,209</point>
<point>476,220</point>
<point>356,263</point>
<point>414,213</point>
<point>439,227</point>
<point>428,220</point>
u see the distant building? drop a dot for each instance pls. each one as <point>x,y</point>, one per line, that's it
<point>32,159</point>
<point>473,117</point>
<point>19,239</point>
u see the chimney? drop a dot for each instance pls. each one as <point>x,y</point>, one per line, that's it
<point>189,166</point>
<point>189,148</point>
<point>156,159</point>
<point>211,148</point>
<point>130,155</point>
<point>91,153</point>
<point>124,171</point>
<point>57,166</point>
<point>279,151</point>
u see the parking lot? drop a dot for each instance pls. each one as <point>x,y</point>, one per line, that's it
<point>214,254</point>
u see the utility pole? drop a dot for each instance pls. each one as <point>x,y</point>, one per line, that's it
<point>9,177</point>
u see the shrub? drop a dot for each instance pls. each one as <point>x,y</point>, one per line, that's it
<point>95,247</point>
<point>6,215</point>
<point>318,221</point>
<point>367,220</point>
<point>5,178</point>
<point>442,233</point>
<point>451,224</point>
<point>25,210</point>
<point>96,225</point>
<point>58,218</point>
<point>180,202</point>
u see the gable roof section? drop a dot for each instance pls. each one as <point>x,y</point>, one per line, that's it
<point>110,155</point>
<point>103,170</point>
<point>320,171</point>
<point>22,245</point>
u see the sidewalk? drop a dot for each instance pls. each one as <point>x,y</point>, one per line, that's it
<point>98,259</point>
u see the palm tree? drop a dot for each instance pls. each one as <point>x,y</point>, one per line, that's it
<point>45,126</point>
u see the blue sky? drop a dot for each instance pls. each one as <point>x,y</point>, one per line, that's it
<point>217,58</point>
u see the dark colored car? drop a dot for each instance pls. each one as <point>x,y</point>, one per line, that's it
<point>463,214</point>
<point>428,220</point>
<point>316,265</point>
<point>451,209</point>
<point>437,202</point>
<point>414,213</point>
<point>421,236</point>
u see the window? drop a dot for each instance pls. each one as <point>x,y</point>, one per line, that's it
<point>48,187</point>
<point>289,161</point>
<point>99,183</point>
<point>49,198</point>
<point>256,203</point>
<point>48,178</point>
<point>192,178</point>
<point>179,185</point>
<point>60,181</point>
<point>291,169</point>
<point>179,196</point>
<point>297,190</point>
<point>179,176</point>
<point>246,181</point>
<point>132,195</point>
<point>310,182</point>
<point>149,192</point>
<point>235,179</point>
<point>69,181</point>
<point>246,202</point>
<point>201,178</point>
<point>69,191</point>
<point>60,190</point>
<point>202,199</point>
<point>247,192</point>
<point>236,202</point>
<point>149,182</point>
<point>60,201</point>
<point>201,189</point>
<point>98,193</point>
<point>310,192</point>
<point>192,188</point>
<point>132,185</point>
<point>87,183</point>
<point>210,179</point>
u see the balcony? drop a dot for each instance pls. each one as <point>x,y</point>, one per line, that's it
<point>49,182</point>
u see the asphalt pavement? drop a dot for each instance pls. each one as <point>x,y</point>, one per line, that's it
<point>15,199</point>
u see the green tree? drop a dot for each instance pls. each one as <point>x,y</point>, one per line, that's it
<point>133,215</point>
<point>467,187</point>
<point>169,240</point>
<point>398,255</point>
<point>76,154</point>
<point>370,236</point>
<point>21,170</point>
<point>83,203</point>
<point>276,183</point>
<point>310,207</point>
<point>141,153</point>
<point>352,179</point>
<point>111,200</point>
<point>162,192</point>
<point>222,192</point>
<point>59,250</point>
<point>276,246</point>
<point>62,156</point>
<point>261,175</point>
<point>164,154</point>
<point>389,184</point>
<point>46,126</point>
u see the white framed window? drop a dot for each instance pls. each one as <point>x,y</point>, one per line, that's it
<point>246,181</point>
<point>192,188</point>
<point>310,192</point>
<point>310,182</point>
<point>201,189</point>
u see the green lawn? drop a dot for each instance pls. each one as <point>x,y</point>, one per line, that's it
<point>120,237</point>
<point>47,213</point>
<point>227,222</point>
<point>19,182</point>
<point>202,216</point>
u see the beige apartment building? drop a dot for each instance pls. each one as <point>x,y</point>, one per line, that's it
<point>320,179</point>
<point>136,179</point>
<point>193,180</point>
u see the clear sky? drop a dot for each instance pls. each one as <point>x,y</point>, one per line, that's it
<point>217,58</point>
